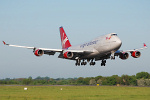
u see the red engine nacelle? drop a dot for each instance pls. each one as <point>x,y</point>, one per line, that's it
<point>68,55</point>
<point>124,56</point>
<point>136,54</point>
<point>38,52</point>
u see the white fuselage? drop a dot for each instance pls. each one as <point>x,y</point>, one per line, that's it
<point>100,46</point>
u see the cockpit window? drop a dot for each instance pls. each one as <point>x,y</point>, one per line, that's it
<point>114,34</point>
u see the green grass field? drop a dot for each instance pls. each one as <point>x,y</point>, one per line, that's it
<point>74,93</point>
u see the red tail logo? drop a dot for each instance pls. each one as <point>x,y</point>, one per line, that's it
<point>64,39</point>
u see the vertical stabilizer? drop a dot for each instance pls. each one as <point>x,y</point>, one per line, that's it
<point>64,39</point>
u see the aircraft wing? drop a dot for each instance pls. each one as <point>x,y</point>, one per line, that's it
<point>18,46</point>
<point>34,48</point>
<point>121,51</point>
<point>133,50</point>
<point>50,51</point>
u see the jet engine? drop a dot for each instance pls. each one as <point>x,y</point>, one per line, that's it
<point>124,56</point>
<point>68,55</point>
<point>136,54</point>
<point>38,52</point>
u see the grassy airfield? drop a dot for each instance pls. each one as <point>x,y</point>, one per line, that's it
<point>74,93</point>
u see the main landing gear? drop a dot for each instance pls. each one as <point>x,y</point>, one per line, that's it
<point>83,63</point>
<point>78,62</point>
<point>103,63</point>
<point>92,63</point>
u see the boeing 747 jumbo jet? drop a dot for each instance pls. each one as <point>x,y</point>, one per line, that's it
<point>101,48</point>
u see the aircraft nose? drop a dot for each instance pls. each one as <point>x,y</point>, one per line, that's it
<point>119,42</point>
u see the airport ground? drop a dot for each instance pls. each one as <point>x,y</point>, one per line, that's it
<point>74,93</point>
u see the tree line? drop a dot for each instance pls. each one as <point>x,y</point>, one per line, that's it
<point>140,79</point>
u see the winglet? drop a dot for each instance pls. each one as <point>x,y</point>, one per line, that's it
<point>145,45</point>
<point>4,43</point>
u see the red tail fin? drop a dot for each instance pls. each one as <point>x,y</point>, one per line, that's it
<point>64,39</point>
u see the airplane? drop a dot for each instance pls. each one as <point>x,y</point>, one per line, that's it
<point>101,48</point>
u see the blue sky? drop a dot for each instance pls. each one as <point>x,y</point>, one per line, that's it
<point>36,23</point>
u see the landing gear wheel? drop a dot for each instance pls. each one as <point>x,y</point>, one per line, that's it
<point>77,62</point>
<point>83,62</point>
<point>103,63</point>
<point>92,63</point>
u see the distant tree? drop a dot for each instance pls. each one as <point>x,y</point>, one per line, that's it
<point>80,81</point>
<point>141,79</point>
<point>26,81</point>
<point>12,81</point>
<point>141,82</point>
<point>52,81</point>
<point>99,82</point>
<point>112,80</point>
<point>7,79</point>
<point>86,81</point>
<point>60,82</point>
<point>144,75</point>
<point>92,82</point>
<point>104,81</point>
<point>47,78</point>
<point>71,81</point>
<point>125,80</point>
<point>38,78</point>
<point>147,81</point>
<point>128,80</point>
<point>98,77</point>
<point>3,82</point>
<point>30,77</point>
